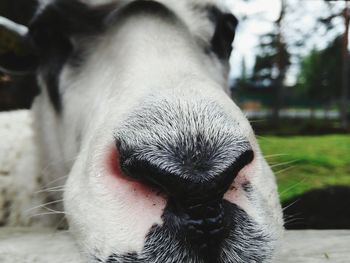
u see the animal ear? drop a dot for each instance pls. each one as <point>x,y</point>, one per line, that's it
<point>224,35</point>
<point>55,29</point>
<point>16,52</point>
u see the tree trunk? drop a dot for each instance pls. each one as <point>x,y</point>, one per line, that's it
<point>344,93</point>
<point>281,66</point>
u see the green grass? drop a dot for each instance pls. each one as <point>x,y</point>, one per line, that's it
<point>306,162</point>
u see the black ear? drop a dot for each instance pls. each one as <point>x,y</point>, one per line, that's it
<point>57,32</point>
<point>16,52</point>
<point>224,34</point>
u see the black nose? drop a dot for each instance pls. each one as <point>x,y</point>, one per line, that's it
<point>205,224</point>
<point>195,195</point>
<point>195,184</point>
<point>192,151</point>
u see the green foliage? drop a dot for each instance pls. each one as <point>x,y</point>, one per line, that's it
<point>309,82</point>
<point>320,73</point>
<point>272,60</point>
<point>302,163</point>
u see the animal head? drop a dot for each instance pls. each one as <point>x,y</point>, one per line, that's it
<point>162,165</point>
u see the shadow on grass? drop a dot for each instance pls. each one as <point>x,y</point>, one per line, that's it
<point>326,208</point>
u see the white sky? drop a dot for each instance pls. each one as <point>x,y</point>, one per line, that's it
<point>260,13</point>
<point>248,31</point>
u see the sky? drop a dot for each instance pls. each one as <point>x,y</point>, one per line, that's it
<point>248,31</point>
<point>260,15</point>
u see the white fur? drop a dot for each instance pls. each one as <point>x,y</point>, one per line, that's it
<point>20,173</point>
<point>142,59</point>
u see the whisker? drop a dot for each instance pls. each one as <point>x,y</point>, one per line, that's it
<point>260,120</point>
<point>262,138</point>
<point>51,189</point>
<point>43,205</point>
<point>294,220</point>
<point>291,204</point>
<point>46,168</point>
<point>287,217</point>
<point>284,163</point>
<point>276,155</point>
<point>52,210</point>
<point>285,169</point>
<point>293,186</point>
<point>48,213</point>
<point>59,162</point>
<point>293,216</point>
<point>57,179</point>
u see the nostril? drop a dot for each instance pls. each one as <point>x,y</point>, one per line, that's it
<point>244,159</point>
<point>189,187</point>
<point>204,224</point>
<point>140,172</point>
<point>132,186</point>
<point>218,185</point>
<point>144,172</point>
<point>115,165</point>
<point>227,177</point>
<point>236,166</point>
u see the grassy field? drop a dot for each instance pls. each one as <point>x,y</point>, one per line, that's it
<point>305,162</point>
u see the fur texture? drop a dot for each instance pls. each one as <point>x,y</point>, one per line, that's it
<point>151,88</point>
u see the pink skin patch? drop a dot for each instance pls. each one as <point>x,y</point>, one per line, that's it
<point>236,194</point>
<point>123,181</point>
<point>115,170</point>
<point>142,200</point>
<point>132,198</point>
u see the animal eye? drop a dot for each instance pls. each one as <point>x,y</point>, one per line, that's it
<point>224,35</point>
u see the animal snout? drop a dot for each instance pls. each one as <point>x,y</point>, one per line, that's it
<point>192,156</point>
<point>191,184</point>
<point>194,191</point>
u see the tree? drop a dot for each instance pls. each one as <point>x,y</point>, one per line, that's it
<point>272,63</point>
<point>328,22</point>
<point>345,70</point>
<point>320,76</point>
<point>311,80</point>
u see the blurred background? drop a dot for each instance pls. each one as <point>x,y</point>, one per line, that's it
<point>290,75</point>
